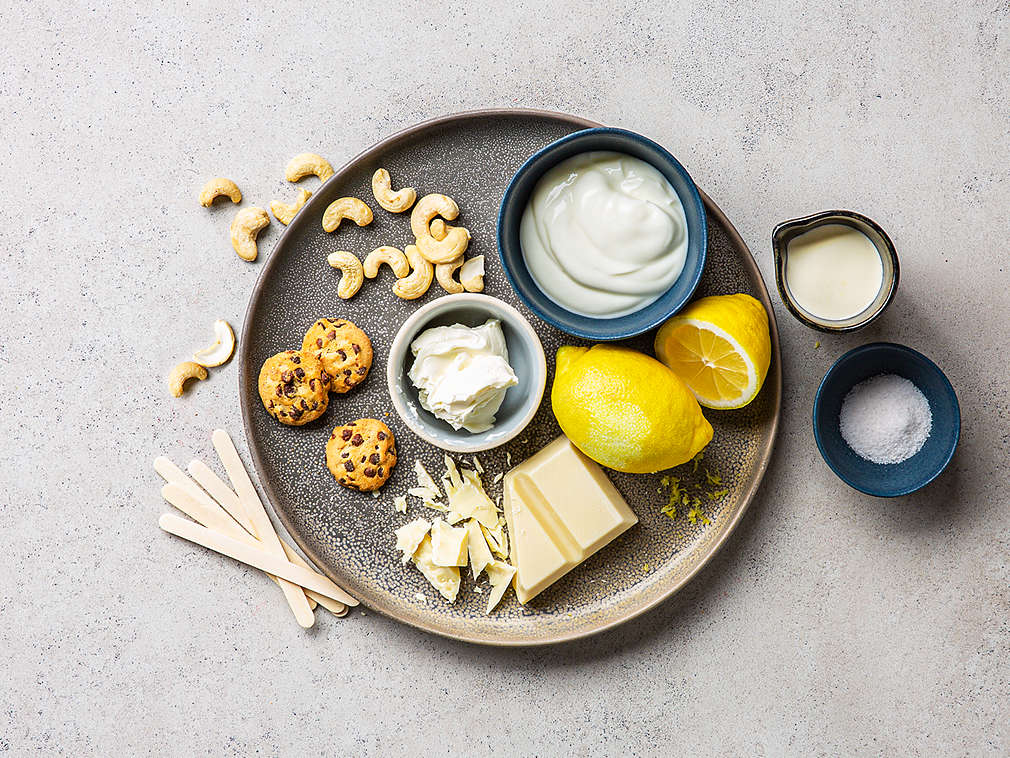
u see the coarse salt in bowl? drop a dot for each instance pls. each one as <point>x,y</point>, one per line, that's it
<point>918,469</point>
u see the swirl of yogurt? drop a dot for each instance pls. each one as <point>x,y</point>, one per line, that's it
<point>604,234</point>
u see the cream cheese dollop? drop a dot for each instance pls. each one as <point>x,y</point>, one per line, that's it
<point>462,373</point>
<point>604,234</point>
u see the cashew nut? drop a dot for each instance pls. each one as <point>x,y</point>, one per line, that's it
<point>472,274</point>
<point>221,350</point>
<point>219,187</point>
<point>245,227</point>
<point>439,229</point>
<point>182,373</point>
<point>286,212</point>
<point>427,208</point>
<point>308,164</point>
<point>352,276</point>
<point>444,272</point>
<point>346,207</point>
<point>413,286</point>
<point>391,256</point>
<point>394,202</point>
<point>449,249</point>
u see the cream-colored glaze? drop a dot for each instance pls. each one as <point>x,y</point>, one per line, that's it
<point>604,234</point>
<point>560,508</point>
<point>833,271</point>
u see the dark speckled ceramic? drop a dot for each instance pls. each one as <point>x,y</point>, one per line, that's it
<point>349,535</point>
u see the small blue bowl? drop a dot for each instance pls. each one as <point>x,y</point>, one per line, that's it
<point>892,479</point>
<point>526,356</point>
<point>514,203</point>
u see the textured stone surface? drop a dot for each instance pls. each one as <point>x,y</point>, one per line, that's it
<point>831,623</point>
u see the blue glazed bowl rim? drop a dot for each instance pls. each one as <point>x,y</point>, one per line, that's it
<point>695,198</point>
<point>916,355</point>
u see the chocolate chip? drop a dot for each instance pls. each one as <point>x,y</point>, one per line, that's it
<point>381,435</point>
<point>342,480</point>
<point>374,458</point>
<point>300,373</point>
<point>319,342</point>
<point>289,391</point>
<point>369,472</point>
<point>287,376</point>
<point>345,434</point>
<point>312,384</point>
<point>357,440</point>
<point>363,370</point>
<point>342,354</point>
<point>362,459</point>
<point>347,372</point>
<point>357,348</point>
<point>380,470</point>
<point>332,335</point>
<point>324,377</point>
<point>344,454</point>
<point>296,414</point>
<point>348,465</point>
<point>305,405</point>
<point>280,389</point>
<point>296,359</point>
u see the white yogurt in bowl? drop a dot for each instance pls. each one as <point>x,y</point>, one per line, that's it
<point>604,234</point>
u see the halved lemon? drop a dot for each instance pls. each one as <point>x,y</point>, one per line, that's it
<point>720,347</point>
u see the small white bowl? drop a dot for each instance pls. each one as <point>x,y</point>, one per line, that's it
<point>526,356</point>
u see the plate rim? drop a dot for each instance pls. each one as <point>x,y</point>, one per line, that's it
<point>747,497</point>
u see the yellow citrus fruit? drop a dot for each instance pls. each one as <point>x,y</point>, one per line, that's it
<point>625,410</point>
<point>720,347</point>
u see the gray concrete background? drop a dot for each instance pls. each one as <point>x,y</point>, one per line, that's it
<point>831,623</point>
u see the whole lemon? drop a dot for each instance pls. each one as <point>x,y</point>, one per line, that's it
<point>625,410</point>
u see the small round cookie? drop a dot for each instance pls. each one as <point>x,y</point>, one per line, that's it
<point>294,388</point>
<point>361,454</point>
<point>345,351</point>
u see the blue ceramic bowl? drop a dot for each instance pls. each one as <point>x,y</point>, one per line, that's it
<point>893,479</point>
<point>514,203</point>
<point>526,356</point>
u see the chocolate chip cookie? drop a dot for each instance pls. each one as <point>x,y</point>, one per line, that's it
<point>361,454</point>
<point>344,350</point>
<point>294,387</point>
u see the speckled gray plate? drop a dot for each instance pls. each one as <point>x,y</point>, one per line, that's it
<point>349,535</point>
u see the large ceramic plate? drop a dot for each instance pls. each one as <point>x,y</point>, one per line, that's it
<point>349,535</point>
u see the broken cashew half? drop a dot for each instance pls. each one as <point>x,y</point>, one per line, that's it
<point>346,207</point>
<point>219,187</point>
<point>245,227</point>
<point>444,274</point>
<point>413,286</point>
<point>286,212</point>
<point>471,275</point>
<point>438,229</point>
<point>394,202</point>
<point>427,208</point>
<point>352,277</point>
<point>449,249</point>
<point>308,164</point>
<point>391,256</point>
<point>221,350</point>
<point>183,373</point>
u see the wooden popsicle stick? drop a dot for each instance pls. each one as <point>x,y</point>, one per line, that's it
<point>257,514</point>
<point>253,556</point>
<point>221,492</point>
<point>224,495</point>
<point>211,517</point>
